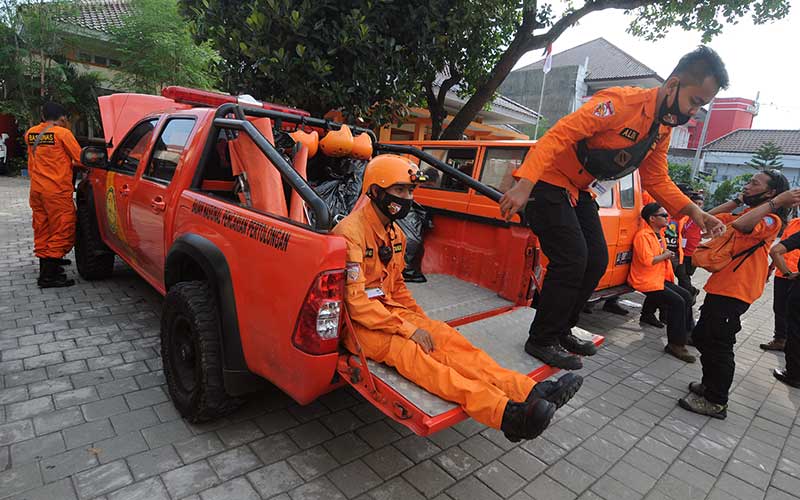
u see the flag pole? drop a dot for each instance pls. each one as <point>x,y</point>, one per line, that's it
<point>539,111</point>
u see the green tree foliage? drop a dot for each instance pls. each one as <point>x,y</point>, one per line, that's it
<point>156,49</point>
<point>728,189</point>
<point>767,156</point>
<point>681,173</point>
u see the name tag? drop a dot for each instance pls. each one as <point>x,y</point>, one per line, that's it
<point>374,293</point>
<point>599,188</point>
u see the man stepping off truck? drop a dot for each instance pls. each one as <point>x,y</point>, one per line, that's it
<point>389,326</point>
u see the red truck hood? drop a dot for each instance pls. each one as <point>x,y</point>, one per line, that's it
<point>120,112</point>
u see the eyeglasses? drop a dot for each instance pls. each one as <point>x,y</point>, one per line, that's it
<point>666,216</point>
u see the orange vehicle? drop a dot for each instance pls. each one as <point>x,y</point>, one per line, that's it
<point>204,197</point>
<point>492,163</point>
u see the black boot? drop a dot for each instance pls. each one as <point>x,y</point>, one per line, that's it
<point>554,355</point>
<point>613,307</point>
<point>51,275</point>
<point>573,344</point>
<point>414,276</point>
<point>650,319</point>
<point>526,420</point>
<point>557,392</point>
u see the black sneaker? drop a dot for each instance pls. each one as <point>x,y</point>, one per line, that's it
<point>557,392</point>
<point>614,308</point>
<point>650,319</point>
<point>697,388</point>
<point>575,345</point>
<point>526,420</point>
<point>414,277</point>
<point>554,355</point>
<point>784,377</point>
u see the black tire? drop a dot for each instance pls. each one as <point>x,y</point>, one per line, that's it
<point>192,353</point>
<point>94,260</point>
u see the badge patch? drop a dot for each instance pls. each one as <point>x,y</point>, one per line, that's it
<point>630,134</point>
<point>47,138</point>
<point>353,271</point>
<point>369,252</point>
<point>398,247</point>
<point>604,109</point>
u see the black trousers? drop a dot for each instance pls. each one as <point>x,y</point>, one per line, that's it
<point>677,304</point>
<point>714,336</point>
<point>792,348</point>
<point>572,239</point>
<point>780,300</point>
<point>684,272</point>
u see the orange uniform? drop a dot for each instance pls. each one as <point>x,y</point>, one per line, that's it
<point>50,170</point>
<point>385,316</point>
<point>792,258</point>
<point>645,276</point>
<point>746,283</point>
<point>613,118</point>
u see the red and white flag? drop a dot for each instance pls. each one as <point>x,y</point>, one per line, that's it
<point>548,59</point>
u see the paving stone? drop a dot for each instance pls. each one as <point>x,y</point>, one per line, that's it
<point>30,408</point>
<point>274,479</point>
<point>354,478</point>
<point>67,464</point>
<point>544,450</point>
<point>455,461</point>
<point>236,489</point>
<point>240,433</point>
<point>379,434</point>
<point>37,448</point>
<point>66,369</point>
<point>104,408</point>
<point>570,476</point>
<point>341,422</point>
<point>389,462</point>
<point>150,489</point>
<point>117,387</point>
<point>545,488</point>
<point>612,489</point>
<point>87,433</point>
<point>276,421</point>
<point>632,477</point>
<point>588,461</point>
<point>418,448</point>
<point>120,446</point>
<point>61,490</point>
<point>189,479</point>
<point>523,463</point>
<point>648,464</point>
<point>153,462</point>
<point>347,447</point>
<point>13,395</point>
<point>199,447</point>
<point>309,434</point>
<point>274,448</point>
<point>19,479</point>
<point>16,431</point>
<point>692,475</point>
<point>169,432</point>
<point>146,397</point>
<point>235,462</point>
<point>319,489</point>
<point>49,387</point>
<point>57,420</point>
<point>102,480</point>
<point>428,478</point>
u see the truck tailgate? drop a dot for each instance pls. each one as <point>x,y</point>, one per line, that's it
<point>452,300</point>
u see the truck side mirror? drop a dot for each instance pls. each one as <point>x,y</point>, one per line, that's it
<point>94,156</point>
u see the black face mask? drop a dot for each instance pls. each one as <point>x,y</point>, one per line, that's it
<point>673,111</point>
<point>393,206</point>
<point>754,199</point>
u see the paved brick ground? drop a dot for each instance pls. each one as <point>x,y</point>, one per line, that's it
<point>84,414</point>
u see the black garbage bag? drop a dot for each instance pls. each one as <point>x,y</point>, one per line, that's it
<point>414,226</point>
<point>341,194</point>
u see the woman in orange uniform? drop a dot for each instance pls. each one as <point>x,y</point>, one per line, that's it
<point>651,273</point>
<point>780,288</point>
<point>616,132</point>
<point>731,290</point>
<point>391,328</point>
<point>52,150</point>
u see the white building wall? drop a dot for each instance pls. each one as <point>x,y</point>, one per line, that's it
<point>729,165</point>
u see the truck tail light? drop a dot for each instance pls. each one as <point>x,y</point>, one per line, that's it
<point>319,323</point>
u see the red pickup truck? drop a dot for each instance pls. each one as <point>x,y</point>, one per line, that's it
<point>194,195</point>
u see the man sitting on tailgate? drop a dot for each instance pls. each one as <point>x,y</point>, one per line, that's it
<point>391,328</point>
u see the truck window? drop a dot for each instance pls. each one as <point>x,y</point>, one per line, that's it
<point>128,155</point>
<point>168,149</point>
<point>460,158</point>
<point>606,200</point>
<point>626,191</point>
<point>499,164</point>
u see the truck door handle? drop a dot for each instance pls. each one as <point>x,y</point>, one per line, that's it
<point>124,190</point>
<point>158,204</point>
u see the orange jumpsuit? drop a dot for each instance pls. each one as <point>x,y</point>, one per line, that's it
<point>50,170</point>
<point>613,118</point>
<point>455,370</point>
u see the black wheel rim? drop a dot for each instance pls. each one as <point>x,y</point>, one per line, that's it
<point>183,355</point>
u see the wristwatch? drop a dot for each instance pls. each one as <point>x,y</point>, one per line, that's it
<point>738,202</point>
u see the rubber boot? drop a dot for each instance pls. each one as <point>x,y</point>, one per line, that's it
<point>526,420</point>
<point>557,392</point>
<point>51,275</point>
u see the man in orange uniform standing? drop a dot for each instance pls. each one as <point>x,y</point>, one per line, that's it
<point>616,132</point>
<point>731,290</point>
<point>391,328</point>
<point>651,273</point>
<point>781,288</point>
<point>52,150</point>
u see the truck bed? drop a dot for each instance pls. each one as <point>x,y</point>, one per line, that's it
<point>501,335</point>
